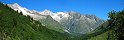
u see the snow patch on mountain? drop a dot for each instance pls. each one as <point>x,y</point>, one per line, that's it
<point>59,15</point>
<point>18,8</point>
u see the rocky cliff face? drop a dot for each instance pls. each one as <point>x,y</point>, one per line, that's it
<point>77,23</point>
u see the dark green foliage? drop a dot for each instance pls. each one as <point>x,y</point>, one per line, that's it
<point>117,30</point>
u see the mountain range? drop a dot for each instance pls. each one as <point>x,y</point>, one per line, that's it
<point>70,22</point>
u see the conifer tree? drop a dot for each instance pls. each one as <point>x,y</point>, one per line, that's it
<point>117,30</point>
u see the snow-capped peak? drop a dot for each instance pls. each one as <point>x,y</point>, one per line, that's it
<point>46,12</point>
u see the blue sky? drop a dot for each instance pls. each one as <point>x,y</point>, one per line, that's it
<point>100,8</point>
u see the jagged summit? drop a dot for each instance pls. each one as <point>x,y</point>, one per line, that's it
<point>46,12</point>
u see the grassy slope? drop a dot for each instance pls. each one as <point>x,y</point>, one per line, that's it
<point>104,29</point>
<point>100,33</point>
<point>14,26</point>
<point>102,36</point>
<point>52,24</point>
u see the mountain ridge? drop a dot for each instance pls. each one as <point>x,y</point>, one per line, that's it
<point>71,22</point>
